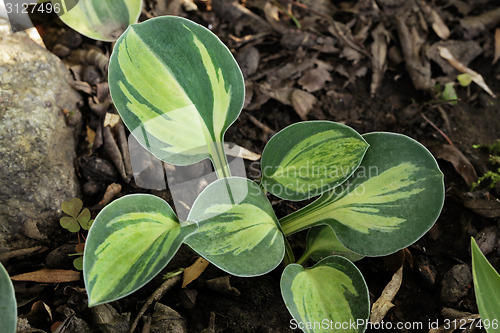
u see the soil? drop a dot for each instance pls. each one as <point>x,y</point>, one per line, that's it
<point>397,106</point>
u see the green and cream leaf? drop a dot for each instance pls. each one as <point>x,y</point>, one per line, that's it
<point>8,306</point>
<point>130,242</point>
<point>486,287</point>
<point>238,231</point>
<point>177,88</point>
<point>97,19</point>
<point>332,291</point>
<point>392,199</point>
<point>308,158</point>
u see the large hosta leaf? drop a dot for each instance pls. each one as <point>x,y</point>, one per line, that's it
<point>487,289</point>
<point>177,88</point>
<point>308,158</point>
<point>131,241</point>
<point>8,307</point>
<point>238,231</point>
<point>392,199</point>
<point>331,296</point>
<point>98,19</point>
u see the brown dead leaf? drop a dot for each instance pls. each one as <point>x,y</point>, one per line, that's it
<point>40,306</point>
<point>111,119</point>
<point>476,77</point>
<point>282,95</point>
<point>460,163</point>
<point>381,39</point>
<point>314,79</point>
<point>303,102</point>
<point>194,271</point>
<point>384,303</point>
<point>49,276</point>
<point>486,207</point>
<point>90,136</point>
<point>464,50</point>
<point>434,19</point>
<point>497,45</point>
<point>111,192</point>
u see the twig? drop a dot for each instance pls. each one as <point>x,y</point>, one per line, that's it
<point>260,125</point>
<point>437,129</point>
<point>157,295</point>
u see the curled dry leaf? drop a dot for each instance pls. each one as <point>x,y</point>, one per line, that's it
<point>384,303</point>
<point>302,102</point>
<point>49,276</point>
<point>460,163</point>
<point>111,192</point>
<point>314,79</point>
<point>194,271</point>
<point>381,39</point>
<point>476,77</point>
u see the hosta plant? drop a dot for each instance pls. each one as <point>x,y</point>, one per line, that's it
<point>178,89</point>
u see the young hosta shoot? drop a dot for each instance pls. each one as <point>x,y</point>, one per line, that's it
<point>177,88</point>
<point>98,19</point>
<point>238,231</point>
<point>308,158</point>
<point>333,291</point>
<point>487,289</point>
<point>390,201</point>
<point>322,242</point>
<point>8,306</point>
<point>131,241</point>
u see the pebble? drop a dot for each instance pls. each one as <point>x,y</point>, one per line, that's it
<point>456,284</point>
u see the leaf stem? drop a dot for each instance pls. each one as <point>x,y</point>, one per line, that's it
<point>289,256</point>
<point>298,220</point>
<point>219,160</point>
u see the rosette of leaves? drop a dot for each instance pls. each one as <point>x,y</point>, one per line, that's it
<point>178,89</point>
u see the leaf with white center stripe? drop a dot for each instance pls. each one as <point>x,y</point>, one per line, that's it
<point>238,231</point>
<point>98,19</point>
<point>308,158</point>
<point>8,307</point>
<point>177,88</point>
<point>332,292</point>
<point>393,198</point>
<point>130,242</point>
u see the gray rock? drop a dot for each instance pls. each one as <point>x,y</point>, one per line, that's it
<point>37,148</point>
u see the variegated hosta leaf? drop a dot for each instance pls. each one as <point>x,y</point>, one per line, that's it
<point>177,88</point>
<point>331,296</point>
<point>98,19</point>
<point>131,240</point>
<point>308,158</point>
<point>487,289</point>
<point>322,242</point>
<point>238,231</point>
<point>8,307</point>
<point>392,199</point>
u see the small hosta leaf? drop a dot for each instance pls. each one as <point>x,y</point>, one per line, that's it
<point>176,87</point>
<point>306,159</point>
<point>322,242</point>
<point>238,231</point>
<point>130,242</point>
<point>392,199</point>
<point>331,296</point>
<point>8,307</point>
<point>486,287</point>
<point>72,207</point>
<point>97,19</point>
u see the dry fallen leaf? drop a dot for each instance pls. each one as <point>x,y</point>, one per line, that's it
<point>314,79</point>
<point>384,304</point>
<point>303,102</point>
<point>497,45</point>
<point>458,160</point>
<point>194,271</point>
<point>49,276</point>
<point>111,119</point>
<point>476,77</point>
<point>111,191</point>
